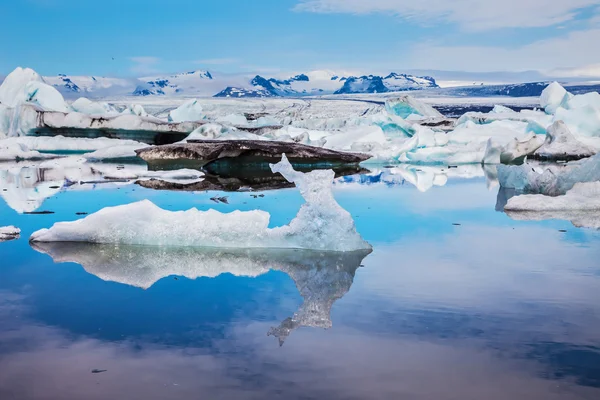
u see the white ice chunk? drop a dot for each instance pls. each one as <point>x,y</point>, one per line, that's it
<point>560,144</point>
<point>10,151</point>
<point>321,224</point>
<point>210,131</point>
<point>553,180</point>
<point>552,97</point>
<point>233,119</point>
<point>347,138</point>
<point>135,109</point>
<point>582,121</point>
<point>86,106</point>
<point>44,96</point>
<point>13,86</point>
<point>9,233</point>
<point>61,143</point>
<point>516,150</point>
<point>189,111</point>
<point>583,196</point>
<point>405,106</point>
<point>116,152</point>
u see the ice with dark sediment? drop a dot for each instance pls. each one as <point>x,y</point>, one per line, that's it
<point>321,224</point>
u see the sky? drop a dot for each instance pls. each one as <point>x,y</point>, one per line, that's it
<point>141,38</point>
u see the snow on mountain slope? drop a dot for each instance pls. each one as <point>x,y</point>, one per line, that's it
<point>325,82</point>
<point>192,82</point>
<point>90,86</point>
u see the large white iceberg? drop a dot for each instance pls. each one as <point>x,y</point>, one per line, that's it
<point>560,144</point>
<point>553,97</point>
<point>553,180</point>
<point>189,111</point>
<point>86,106</point>
<point>13,86</point>
<point>321,224</point>
<point>406,106</point>
<point>10,151</point>
<point>9,233</point>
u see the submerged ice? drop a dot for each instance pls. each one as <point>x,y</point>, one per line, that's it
<point>321,224</point>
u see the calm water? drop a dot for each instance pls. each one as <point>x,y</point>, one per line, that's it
<point>456,301</point>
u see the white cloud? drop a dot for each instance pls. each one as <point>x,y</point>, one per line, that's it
<point>144,65</point>
<point>571,51</point>
<point>477,15</point>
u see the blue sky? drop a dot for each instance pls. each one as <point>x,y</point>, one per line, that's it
<point>271,36</point>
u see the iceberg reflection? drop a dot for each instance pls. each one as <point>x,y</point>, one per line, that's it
<point>321,277</point>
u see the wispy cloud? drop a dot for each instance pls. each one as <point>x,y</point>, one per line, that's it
<point>474,15</point>
<point>217,61</point>
<point>144,65</point>
<point>566,52</point>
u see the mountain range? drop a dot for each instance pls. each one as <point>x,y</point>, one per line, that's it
<point>202,83</point>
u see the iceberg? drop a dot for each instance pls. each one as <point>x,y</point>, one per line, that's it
<point>584,196</point>
<point>118,152</point>
<point>189,111</point>
<point>135,109</point>
<point>561,145</point>
<point>86,106</point>
<point>553,97</point>
<point>10,151</point>
<point>44,96</point>
<point>13,86</point>
<point>517,150</point>
<point>405,106</point>
<point>553,180</point>
<point>321,224</point>
<point>67,144</point>
<point>9,233</point>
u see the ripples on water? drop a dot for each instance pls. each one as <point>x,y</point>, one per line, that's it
<point>457,300</point>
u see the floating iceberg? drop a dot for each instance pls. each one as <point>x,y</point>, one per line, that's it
<point>13,86</point>
<point>135,109</point>
<point>583,197</point>
<point>189,111</point>
<point>68,144</point>
<point>553,180</point>
<point>9,233</point>
<point>406,106</point>
<point>10,151</point>
<point>553,97</point>
<point>561,145</point>
<point>86,106</point>
<point>321,224</point>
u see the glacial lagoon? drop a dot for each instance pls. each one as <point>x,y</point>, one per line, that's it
<point>456,300</point>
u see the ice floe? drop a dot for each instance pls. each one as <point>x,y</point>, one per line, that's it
<point>560,144</point>
<point>321,224</point>
<point>86,106</point>
<point>583,196</point>
<point>9,233</point>
<point>550,180</point>
<point>189,111</point>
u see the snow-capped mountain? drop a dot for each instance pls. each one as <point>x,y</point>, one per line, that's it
<point>184,83</point>
<point>327,83</point>
<point>392,83</point>
<point>236,92</point>
<point>90,86</point>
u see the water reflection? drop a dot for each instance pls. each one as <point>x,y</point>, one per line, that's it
<point>321,277</point>
<point>423,177</point>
